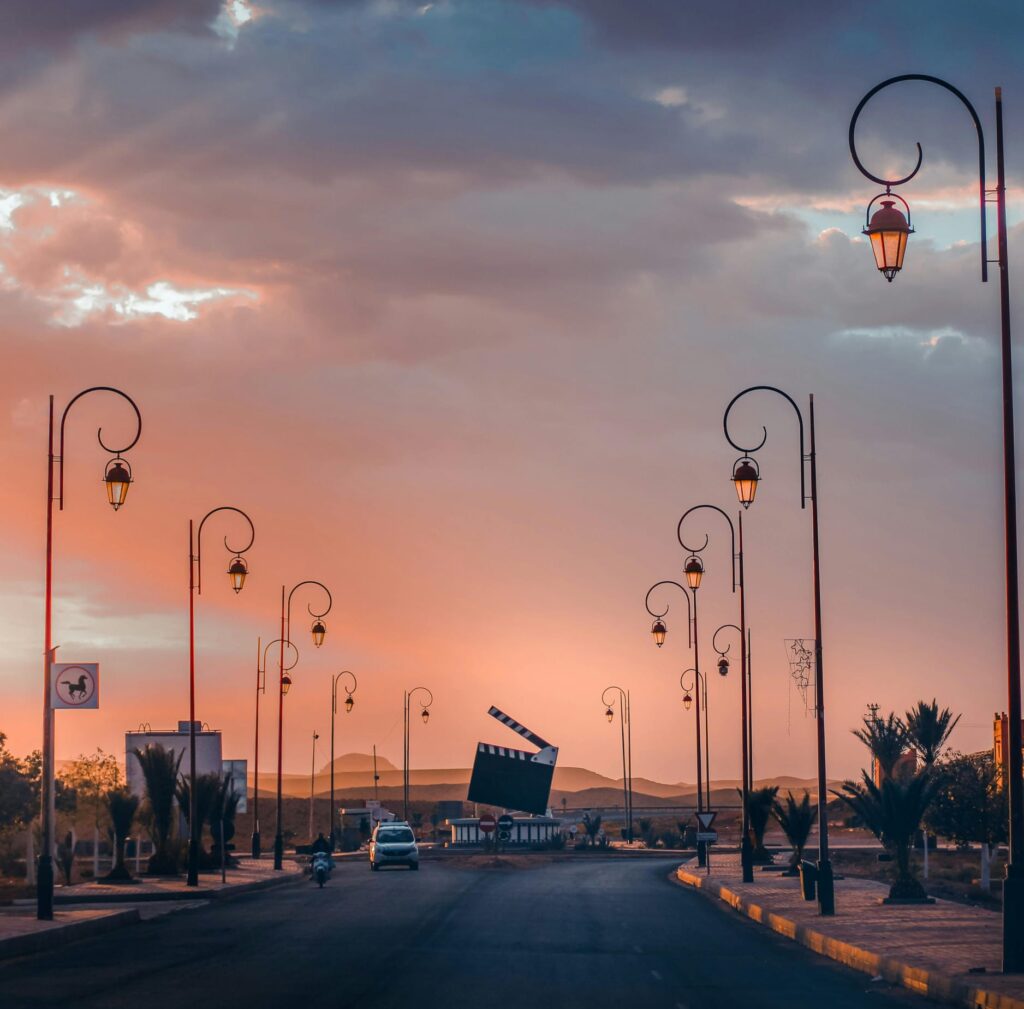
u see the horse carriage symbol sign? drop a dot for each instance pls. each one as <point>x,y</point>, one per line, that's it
<point>74,684</point>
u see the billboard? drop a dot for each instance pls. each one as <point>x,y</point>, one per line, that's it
<point>513,779</point>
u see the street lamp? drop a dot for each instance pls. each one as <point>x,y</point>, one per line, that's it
<point>826,886</point>
<point>319,631</point>
<point>626,732</point>
<point>425,716</point>
<point>658,631</point>
<point>888,231</point>
<point>285,682</point>
<point>694,570</point>
<point>117,476</point>
<point>195,587</point>
<point>699,687</point>
<point>1013,885</point>
<point>736,558</point>
<point>687,700</point>
<point>691,626</point>
<point>312,784</point>
<point>261,688</point>
<point>349,705</point>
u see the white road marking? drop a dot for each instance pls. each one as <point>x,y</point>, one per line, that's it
<point>655,975</point>
<point>637,949</point>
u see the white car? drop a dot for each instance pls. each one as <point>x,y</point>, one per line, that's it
<point>393,843</point>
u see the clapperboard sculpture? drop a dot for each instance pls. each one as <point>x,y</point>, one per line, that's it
<point>513,779</point>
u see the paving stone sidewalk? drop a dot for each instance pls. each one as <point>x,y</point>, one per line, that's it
<point>955,942</point>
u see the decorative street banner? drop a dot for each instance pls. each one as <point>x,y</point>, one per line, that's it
<point>74,684</point>
<point>513,779</point>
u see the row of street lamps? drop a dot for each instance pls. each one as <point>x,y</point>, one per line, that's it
<point>888,231</point>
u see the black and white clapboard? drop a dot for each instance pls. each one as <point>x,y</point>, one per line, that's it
<point>513,779</point>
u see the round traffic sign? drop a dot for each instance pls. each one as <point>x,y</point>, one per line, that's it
<point>504,835</point>
<point>487,823</point>
<point>505,822</point>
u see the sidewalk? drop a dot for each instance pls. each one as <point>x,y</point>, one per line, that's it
<point>87,909</point>
<point>947,951</point>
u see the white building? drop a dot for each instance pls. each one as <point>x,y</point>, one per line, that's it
<point>526,830</point>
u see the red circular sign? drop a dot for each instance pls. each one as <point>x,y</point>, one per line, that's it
<point>487,823</point>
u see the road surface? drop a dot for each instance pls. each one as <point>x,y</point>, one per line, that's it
<point>592,933</point>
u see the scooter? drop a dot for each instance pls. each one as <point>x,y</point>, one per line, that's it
<point>320,867</point>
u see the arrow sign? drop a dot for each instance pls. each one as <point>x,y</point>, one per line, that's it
<point>505,822</point>
<point>706,819</point>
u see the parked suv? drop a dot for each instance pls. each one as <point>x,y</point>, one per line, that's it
<point>393,843</point>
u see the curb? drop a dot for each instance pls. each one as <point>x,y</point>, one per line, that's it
<point>199,893</point>
<point>924,982</point>
<point>51,938</point>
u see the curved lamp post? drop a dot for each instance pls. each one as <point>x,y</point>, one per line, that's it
<point>237,572</point>
<point>425,716</point>
<point>318,630</point>
<point>117,476</point>
<point>746,476</point>
<point>1013,885</point>
<point>349,705</point>
<point>723,669</point>
<point>699,688</point>
<point>312,784</point>
<point>659,631</point>
<point>736,557</point>
<point>261,688</point>
<point>626,731</point>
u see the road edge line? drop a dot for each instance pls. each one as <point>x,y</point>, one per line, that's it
<point>52,938</point>
<point>931,984</point>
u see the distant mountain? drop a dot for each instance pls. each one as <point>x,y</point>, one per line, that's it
<point>580,787</point>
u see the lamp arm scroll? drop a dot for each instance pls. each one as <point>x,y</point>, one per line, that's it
<point>99,432</point>
<point>732,534</point>
<point>889,183</point>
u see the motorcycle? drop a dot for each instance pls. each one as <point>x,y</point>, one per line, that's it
<point>320,867</point>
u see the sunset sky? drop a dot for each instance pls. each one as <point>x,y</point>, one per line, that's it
<point>450,298</point>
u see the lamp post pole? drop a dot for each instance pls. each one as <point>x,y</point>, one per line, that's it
<point>312,784</point>
<point>349,703</point>
<point>261,688</point>
<point>746,477</point>
<point>425,715</point>
<point>626,732</point>
<point>1013,885</point>
<point>319,630</point>
<point>237,571</point>
<point>117,476</point>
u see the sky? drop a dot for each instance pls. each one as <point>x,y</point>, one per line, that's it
<point>450,298</point>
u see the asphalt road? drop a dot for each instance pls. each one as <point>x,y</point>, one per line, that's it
<point>588,933</point>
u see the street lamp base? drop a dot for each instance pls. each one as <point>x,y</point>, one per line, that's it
<point>278,852</point>
<point>1013,921</point>
<point>193,863</point>
<point>44,888</point>
<point>826,889</point>
<point>747,859</point>
<point>255,844</point>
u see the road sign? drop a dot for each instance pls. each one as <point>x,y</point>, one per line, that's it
<point>74,685</point>
<point>487,823</point>
<point>505,822</point>
<point>705,820</point>
<point>707,835</point>
<point>504,835</point>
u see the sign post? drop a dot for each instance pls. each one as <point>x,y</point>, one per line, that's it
<point>706,835</point>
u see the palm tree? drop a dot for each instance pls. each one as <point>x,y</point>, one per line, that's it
<point>122,806</point>
<point>928,730</point>
<point>207,788</point>
<point>592,825</point>
<point>160,771</point>
<point>886,739</point>
<point>222,818</point>
<point>759,808</point>
<point>892,812</point>
<point>796,820</point>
